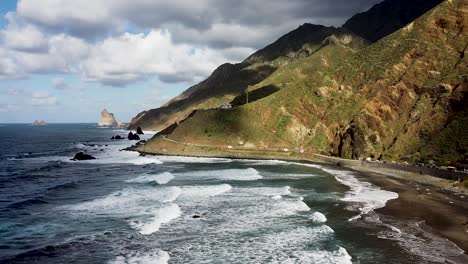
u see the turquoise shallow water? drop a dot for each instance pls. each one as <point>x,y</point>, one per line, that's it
<point>124,208</point>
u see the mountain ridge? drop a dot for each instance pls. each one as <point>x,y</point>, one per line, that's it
<point>403,97</point>
<point>223,88</point>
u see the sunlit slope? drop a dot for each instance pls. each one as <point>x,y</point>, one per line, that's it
<point>403,97</point>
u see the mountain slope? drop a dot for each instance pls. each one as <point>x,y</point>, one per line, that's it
<point>404,97</point>
<point>231,80</point>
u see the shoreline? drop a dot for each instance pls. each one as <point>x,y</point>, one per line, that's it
<point>442,207</point>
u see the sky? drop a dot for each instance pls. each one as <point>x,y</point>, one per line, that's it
<point>64,61</point>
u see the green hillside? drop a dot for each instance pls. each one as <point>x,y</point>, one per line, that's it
<point>403,98</point>
<point>231,80</point>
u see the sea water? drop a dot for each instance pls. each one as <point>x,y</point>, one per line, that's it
<point>127,208</point>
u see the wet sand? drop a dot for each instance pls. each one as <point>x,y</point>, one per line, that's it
<point>444,212</point>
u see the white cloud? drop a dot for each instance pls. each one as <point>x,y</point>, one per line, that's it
<point>132,57</point>
<point>26,38</point>
<point>184,40</point>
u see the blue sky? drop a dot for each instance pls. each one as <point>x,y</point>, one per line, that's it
<point>66,60</point>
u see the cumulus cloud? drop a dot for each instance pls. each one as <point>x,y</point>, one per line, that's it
<point>183,41</point>
<point>23,38</point>
<point>133,57</point>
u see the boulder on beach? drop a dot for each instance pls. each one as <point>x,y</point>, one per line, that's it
<point>83,156</point>
<point>139,131</point>
<point>132,136</point>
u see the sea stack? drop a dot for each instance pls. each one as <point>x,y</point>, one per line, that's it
<point>139,131</point>
<point>107,119</point>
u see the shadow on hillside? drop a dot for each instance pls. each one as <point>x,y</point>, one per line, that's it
<point>255,95</point>
<point>228,79</point>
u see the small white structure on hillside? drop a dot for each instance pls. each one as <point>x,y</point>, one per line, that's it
<point>225,106</point>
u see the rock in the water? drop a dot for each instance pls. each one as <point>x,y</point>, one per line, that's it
<point>83,156</point>
<point>132,136</point>
<point>107,119</point>
<point>196,216</point>
<point>139,131</point>
<point>39,123</point>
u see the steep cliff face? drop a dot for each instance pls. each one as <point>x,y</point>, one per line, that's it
<point>107,119</point>
<point>404,97</point>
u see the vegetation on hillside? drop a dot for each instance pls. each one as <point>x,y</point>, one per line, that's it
<point>403,97</point>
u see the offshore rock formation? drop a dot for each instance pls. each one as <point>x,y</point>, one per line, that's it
<point>107,120</point>
<point>39,123</point>
<point>82,156</point>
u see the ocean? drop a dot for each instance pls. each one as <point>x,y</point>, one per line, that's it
<point>127,208</point>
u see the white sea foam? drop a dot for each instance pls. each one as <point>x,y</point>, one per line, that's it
<point>318,217</point>
<point>161,178</point>
<point>366,196</point>
<point>128,201</point>
<point>339,256</point>
<point>290,207</point>
<point>263,162</point>
<point>204,190</point>
<point>114,155</point>
<point>249,174</point>
<point>268,191</point>
<point>146,209</point>
<point>421,243</point>
<point>109,155</point>
<point>158,216</point>
<point>156,257</point>
<point>286,246</point>
<point>315,166</point>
